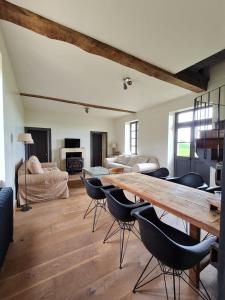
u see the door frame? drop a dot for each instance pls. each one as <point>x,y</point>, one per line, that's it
<point>91,143</point>
<point>49,140</point>
<point>192,124</point>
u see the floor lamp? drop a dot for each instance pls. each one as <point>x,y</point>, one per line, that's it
<point>26,139</point>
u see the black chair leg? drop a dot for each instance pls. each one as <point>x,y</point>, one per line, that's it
<point>142,273</point>
<point>140,283</point>
<point>164,213</point>
<point>87,212</point>
<point>122,228</point>
<point>109,234</point>
<point>94,220</point>
<point>204,295</point>
<point>174,286</point>
<point>175,274</point>
<point>123,241</point>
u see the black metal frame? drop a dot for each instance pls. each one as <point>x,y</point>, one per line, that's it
<point>221,277</point>
<point>98,203</point>
<point>122,228</point>
<point>171,272</point>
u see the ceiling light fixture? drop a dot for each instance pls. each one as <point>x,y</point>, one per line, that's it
<point>126,82</point>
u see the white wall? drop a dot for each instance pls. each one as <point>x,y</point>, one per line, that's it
<point>13,117</point>
<point>154,122</point>
<point>70,125</point>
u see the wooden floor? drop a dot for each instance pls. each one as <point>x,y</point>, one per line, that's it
<point>56,256</point>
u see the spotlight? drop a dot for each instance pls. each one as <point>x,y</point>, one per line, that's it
<point>86,109</point>
<point>126,81</point>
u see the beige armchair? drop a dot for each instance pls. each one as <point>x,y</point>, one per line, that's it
<point>47,183</point>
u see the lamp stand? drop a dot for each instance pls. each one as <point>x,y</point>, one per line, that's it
<point>25,207</point>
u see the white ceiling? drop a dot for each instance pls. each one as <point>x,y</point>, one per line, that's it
<point>170,34</point>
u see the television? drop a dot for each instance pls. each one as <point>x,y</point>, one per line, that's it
<point>72,143</point>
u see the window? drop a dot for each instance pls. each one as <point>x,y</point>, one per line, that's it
<point>133,137</point>
<point>186,128</point>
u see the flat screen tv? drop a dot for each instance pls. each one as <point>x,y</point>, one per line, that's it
<point>72,143</point>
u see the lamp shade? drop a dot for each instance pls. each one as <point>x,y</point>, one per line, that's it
<point>114,145</point>
<point>25,138</point>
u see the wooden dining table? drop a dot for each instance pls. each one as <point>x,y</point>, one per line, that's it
<point>189,204</point>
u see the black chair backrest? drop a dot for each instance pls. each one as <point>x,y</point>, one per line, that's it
<point>119,206</point>
<point>191,179</point>
<point>93,187</point>
<point>162,241</point>
<point>159,173</point>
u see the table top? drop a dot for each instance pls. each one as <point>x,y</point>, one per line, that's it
<point>96,171</point>
<point>187,203</point>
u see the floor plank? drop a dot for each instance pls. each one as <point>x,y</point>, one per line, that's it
<point>56,256</point>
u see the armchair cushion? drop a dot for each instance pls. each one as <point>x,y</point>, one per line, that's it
<point>49,165</point>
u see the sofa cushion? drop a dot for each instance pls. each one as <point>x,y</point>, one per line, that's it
<point>34,165</point>
<point>137,159</point>
<point>122,159</point>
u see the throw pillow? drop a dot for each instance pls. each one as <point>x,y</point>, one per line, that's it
<point>34,165</point>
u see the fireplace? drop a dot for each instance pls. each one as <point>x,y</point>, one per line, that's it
<point>74,162</point>
<point>78,155</point>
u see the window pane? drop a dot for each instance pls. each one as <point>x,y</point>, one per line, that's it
<point>183,149</point>
<point>133,143</point>
<point>133,150</point>
<point>185,117</point>
<point>133,126</point>
<point>133,135</point>
<point>184,135</point>
<point>204,113</point>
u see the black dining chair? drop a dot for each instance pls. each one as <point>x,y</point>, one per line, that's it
<point>94,189</point>
<point>120,208</point>
<point>190,179</point>
<point>174,250</point>
<point>161,173</point>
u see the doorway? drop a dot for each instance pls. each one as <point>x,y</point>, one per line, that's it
<point>42,147</point>
<point>185,157</point>
<point>98,147</point>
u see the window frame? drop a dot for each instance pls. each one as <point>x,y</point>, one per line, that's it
<point>135,123</point>
<point>192,124</point>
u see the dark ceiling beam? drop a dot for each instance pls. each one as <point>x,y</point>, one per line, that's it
<point>200,70</point>
<point>32,21</point>
<point>76,103</point>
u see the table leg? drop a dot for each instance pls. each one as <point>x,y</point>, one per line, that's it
<point>194,273</point>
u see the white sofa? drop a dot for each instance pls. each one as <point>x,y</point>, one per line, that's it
<point>132,163</point>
